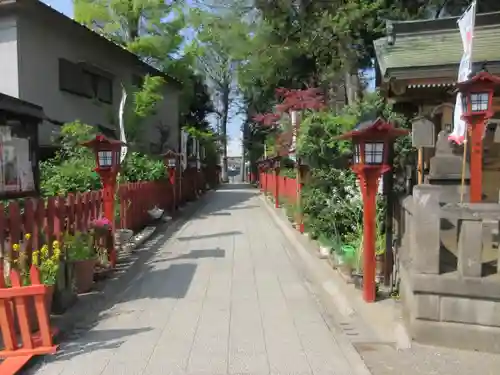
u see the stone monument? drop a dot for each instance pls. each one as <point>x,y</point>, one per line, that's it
<point>446,170</point>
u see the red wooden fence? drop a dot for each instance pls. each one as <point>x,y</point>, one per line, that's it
<point>48,219</point>
<point>287,187</point>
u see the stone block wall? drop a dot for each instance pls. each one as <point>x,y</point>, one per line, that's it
<point>458,307</point>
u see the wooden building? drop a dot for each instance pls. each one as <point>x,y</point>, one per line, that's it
<point>417,68</point>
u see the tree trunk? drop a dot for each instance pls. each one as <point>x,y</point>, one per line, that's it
<point>225,115</point>
<point>133,20</point>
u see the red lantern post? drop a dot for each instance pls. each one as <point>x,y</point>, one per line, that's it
<point>260,167</point>
<point>277,168</point>
<point>303,171</point>
<point>267,166</point>
<point>170,161</point>
<point>370,159</point>
<point>107,154</point>
<point>477,106</point>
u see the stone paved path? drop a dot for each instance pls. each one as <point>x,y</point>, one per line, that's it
<point>220,297</point>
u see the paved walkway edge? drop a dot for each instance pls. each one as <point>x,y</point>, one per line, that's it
<point>347,348</point>
<point>388,325</point>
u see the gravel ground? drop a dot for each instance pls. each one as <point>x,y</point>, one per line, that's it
<point>383,359</point>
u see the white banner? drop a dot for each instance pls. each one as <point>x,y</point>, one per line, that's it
<point>295,123</point>
<point>123,152</point>
<point>184,140</point>
<point>466,26</point>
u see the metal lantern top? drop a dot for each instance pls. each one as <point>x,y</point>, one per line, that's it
<point>107,152</point>
<point>275,162</point>
<point>370,143</point>
<point>477,95</point>
<point>266,164</point>
<point>262,164</point>
<point>170,158</point>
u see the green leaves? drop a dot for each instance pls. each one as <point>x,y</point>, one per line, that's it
<point>149,28</point>
<point>317,130</point>
<point>73,168</point>
<point>140,167</point>
<point>148,96</point>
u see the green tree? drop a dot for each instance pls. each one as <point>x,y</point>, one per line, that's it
<point>217,34</point>
<point>149,28</point>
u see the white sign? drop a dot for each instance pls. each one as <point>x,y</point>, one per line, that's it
<point>466,25</point>
<point>25,172</point>
<point>5,133</point>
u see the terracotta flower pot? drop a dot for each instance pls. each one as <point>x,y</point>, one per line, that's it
<point>84,274</point>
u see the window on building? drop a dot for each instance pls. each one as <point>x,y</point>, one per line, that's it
<point>137,80</point>
<point>71,78</point>
<point>76,79</point>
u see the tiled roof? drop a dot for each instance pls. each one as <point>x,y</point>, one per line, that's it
<point>436,43</point>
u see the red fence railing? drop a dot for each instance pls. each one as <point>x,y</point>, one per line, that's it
<point>47,219</point>
<point>287,187</point>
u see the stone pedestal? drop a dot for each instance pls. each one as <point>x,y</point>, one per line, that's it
<point>446,171</point>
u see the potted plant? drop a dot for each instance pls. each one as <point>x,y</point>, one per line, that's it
<point>325,246</point>
<point>48,262</point>
<point>64,289</point>
<point>101,226</point>
<point>79,249</point>
<point>102,241</point>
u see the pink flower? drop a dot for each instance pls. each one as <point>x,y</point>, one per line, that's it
<point>101,222</point>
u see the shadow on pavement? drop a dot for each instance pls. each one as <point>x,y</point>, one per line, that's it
<point>108,339</point>
<point>171,282</point>
<point>195,254</point>
<point>206,236</point>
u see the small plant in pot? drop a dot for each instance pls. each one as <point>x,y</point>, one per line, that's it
<point>80,251</point>
<point>101,226</point>
<point>102,242</point>
<point>325,246</point>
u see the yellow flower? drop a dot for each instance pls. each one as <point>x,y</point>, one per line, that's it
<point>15,247</point>
<point>27,236</point>
<point>35,258</point>
<point>55,244</point>
<point>45,251</point>
<point>56,254</point>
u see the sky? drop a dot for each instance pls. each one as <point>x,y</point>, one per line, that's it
<point>234,125</point>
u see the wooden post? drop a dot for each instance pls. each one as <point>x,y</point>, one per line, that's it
<point>464,166</point>
<point>420,165</point>
<point>389,217</point>
<point>300,215</point>
<point>171,172</point>
<point>109,188</point>
<point>476,162</point>
<point>369,182</point>
<point>276,187</point>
